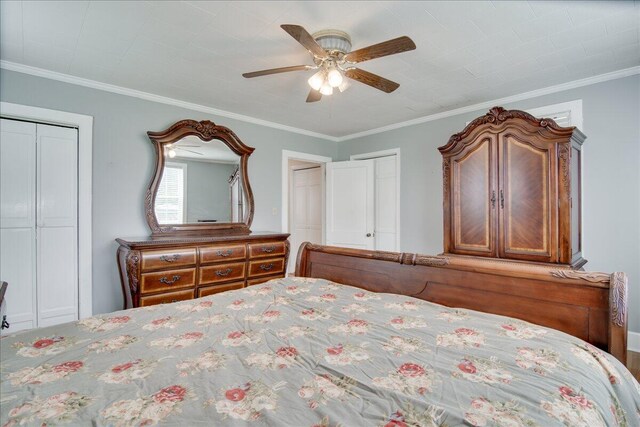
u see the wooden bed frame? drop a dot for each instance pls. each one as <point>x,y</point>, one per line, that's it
<point>590,306</point>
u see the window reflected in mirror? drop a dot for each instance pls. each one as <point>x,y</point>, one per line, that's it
<point>201,183</point>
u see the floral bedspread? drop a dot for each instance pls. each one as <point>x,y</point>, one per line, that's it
<point>307,352</point>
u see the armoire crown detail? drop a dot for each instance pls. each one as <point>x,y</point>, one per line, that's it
<point>511,185</point>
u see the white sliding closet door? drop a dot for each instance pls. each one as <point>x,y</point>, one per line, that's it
<point>39,223</point>
<point>57,225</point>
<point>18,221</point>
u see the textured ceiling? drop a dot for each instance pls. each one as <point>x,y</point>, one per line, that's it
<point>467,52</point>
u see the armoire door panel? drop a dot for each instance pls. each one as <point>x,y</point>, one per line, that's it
<point>17,174</point>
<point>527,200</point>
<point>473,204</point>
<point>17,267</point>
<point>58,176</point>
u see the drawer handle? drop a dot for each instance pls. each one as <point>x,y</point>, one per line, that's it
<point>173,280</point>
<point>266,267</point>
<point>268,249</point>
<point>225,253</point>
<point>223,273</point>
<point>172,258</point>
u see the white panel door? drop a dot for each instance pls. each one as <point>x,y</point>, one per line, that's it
<point>17,173</point>
<point>350,204</point>
<point>57,220</point>
<point>18,221</point>
<point>306,210</point>
<point>386,204</point>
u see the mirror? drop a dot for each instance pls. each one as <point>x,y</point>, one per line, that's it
<point>200,185</point>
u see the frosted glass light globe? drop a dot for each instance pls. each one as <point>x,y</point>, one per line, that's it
<point>326,89</point>
<point>334,77</point>
<point>316,80</point>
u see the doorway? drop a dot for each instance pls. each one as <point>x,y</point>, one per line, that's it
<point>303,200</point>
<point>363,202</point>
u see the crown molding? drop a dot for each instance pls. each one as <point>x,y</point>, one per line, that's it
<point>500,101</point>
<point>67,78</point>
<point>40,72</point>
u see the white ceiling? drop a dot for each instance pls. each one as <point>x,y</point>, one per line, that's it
<point>195,51</point>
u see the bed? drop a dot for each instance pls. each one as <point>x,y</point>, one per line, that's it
<point>372,339</point>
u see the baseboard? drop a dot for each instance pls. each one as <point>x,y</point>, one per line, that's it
<point>633,341</point>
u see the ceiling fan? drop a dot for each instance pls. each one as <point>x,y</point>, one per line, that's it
<point>332,56</point>
<point>172,149</point>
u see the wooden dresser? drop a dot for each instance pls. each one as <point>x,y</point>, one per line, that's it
<point>164,269</point>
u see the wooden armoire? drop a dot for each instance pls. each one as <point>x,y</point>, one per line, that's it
<point>512,187</point>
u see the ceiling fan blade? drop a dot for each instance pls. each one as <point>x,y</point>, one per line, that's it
<point>305,39</point>
<point>372,80</point>
<point>314,95</point>
<point>277,70</point>
<point>390,47</point>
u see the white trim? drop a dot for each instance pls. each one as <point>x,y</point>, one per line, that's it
<point>509,99</point>
<point>26,69</point>
<point>386,153</point>
<point>295,155</point>
<point>85,144</point>
<point>53,75</point>
<point>633,341</point>
<point>575,107</point>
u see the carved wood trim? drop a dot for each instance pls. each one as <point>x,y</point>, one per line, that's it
<point>497,116</point>
<point>618,298</point>
<point>132,261</point>
<point>581,275</point>
<point>446,170</point>
<point>564,153</point>
<point>205,130</point>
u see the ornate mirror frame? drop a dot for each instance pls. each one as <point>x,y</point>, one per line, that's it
<point>206,131</point>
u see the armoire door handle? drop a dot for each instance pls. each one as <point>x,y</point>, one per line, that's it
<point>493,199</point>
<point>501,199</point>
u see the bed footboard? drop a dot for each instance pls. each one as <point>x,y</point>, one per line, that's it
<point>590,306</point>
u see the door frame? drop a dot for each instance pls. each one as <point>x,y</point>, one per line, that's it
<point>306,157</point>
<point>84,124</point>
<point>387,153</point>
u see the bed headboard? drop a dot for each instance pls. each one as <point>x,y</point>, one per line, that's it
<point>590,306</point>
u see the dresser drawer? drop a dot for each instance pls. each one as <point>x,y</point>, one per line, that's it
<point>156,260</point>
<point>167,280</point>
<point>221,273</point>
<point>266,267</point>
<point>166,298</point>
<point>253,282</point>
<point>211,254</point>
<point>210,290</point>
<point>259,250</point>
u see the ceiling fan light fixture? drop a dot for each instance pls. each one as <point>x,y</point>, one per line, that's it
<point>344,85</point>
<point>334,77</point>
<point>326,89</point>
<point>317,80</point>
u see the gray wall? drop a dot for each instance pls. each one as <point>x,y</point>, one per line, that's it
<point>208,193</point>
<point>611,187</point>
<point>123,160</point>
